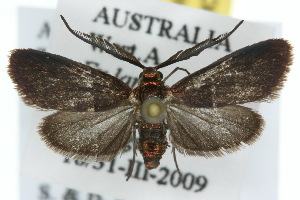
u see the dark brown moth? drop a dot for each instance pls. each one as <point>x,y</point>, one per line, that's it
<point>98,114</point>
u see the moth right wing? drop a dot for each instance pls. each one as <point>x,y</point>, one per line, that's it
<point>254,73</point>
<point>50,81</point>
<point>202,114</point>
<point>212,131</point>
<point>90,136</point>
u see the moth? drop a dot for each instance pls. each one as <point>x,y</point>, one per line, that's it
<point>98,115</point>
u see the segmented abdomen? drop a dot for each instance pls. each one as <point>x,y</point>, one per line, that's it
<point>152,143</point>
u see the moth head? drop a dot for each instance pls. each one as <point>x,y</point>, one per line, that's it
<point>153,110</point>
<point>150,73</point>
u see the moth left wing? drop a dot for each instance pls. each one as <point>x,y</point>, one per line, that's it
<point>252,74</point>
<point>50,81</point>
<point>212,131</point>
<point>89,136</point>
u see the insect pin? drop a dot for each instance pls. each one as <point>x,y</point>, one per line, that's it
<point>98,114</point>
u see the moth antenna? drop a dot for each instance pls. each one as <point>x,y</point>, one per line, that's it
<point>175,160</point>
<point>133,158</point>
<point>112,49</point>
<point>197,49</point>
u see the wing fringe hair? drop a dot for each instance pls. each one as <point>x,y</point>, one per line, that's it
<point>287,60</point>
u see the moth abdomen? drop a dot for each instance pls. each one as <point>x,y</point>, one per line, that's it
<point>152,143</point>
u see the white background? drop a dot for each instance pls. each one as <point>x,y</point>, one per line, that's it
<point>258,10</point>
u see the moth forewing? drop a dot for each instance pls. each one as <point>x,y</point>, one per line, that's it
<point>252,74</point>
<point>50,81</point>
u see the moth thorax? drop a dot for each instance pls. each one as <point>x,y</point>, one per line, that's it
<point>153,110</point>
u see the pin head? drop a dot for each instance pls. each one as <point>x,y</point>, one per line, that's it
<point>153,110</point>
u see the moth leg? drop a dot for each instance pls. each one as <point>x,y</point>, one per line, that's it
<point>175,70</point>
<point>134,154</point>
<point>175,160</point>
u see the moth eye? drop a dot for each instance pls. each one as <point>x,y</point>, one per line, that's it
<point>160,75</point>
